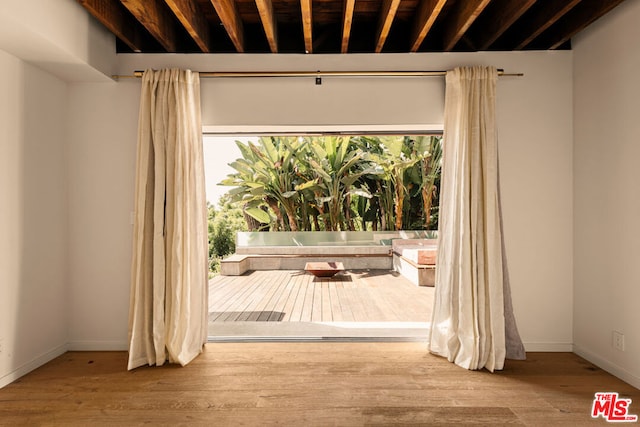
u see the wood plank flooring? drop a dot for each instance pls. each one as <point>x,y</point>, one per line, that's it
<point>295,296</point>
<point>309,384</point>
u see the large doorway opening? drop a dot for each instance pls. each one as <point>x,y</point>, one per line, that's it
<point>277,202</point>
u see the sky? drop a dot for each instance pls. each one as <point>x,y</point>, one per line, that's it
<point>219,151</point>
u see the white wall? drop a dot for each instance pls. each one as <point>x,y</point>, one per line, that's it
<point>33,218</point>
<point>58,36</point>
<point>607,198</point>
<point>103,121</point>
<point>535,130</point>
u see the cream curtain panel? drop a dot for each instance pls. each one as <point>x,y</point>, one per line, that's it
<point>168,312</point>
<point>472,324</point>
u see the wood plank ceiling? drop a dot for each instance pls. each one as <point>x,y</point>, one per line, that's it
<point>344,26</point>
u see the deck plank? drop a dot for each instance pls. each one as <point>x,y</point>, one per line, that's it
<point>246,306</point>
<point>278,311</point>
<point>346,303</point>
<point>326,315</point>
<point>307,306</point>
<point>316,306</point>
<point>263,304</point>
<point>238,292</point>
<point>336,308</point>
<point>296,311</point>
<point>264,284</point>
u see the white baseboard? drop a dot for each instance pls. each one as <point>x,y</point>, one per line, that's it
<point>98,346</point>
<point>612,368</point>
<point>33,364</point>
<point>549,347</point>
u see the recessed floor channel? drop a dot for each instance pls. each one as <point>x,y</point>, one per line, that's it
<point>295,305</point>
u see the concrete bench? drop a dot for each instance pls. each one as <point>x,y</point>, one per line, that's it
<point>415,259</point>
<point>284,258</point>
<point>234,265</point>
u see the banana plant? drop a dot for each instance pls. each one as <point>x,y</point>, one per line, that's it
<point>333,173</point>
<point>392,163</point>
<point>431,167</point>
<point>377,210</point>
<point>249,188</point>
<point>266,175</point>
<point>304,183</point>
<point>421,179</point>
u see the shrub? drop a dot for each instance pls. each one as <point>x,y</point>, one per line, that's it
<point>224,222</point>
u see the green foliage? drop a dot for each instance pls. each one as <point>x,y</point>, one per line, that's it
<point>394,164</point>
<point>223,225</point>
<point>266,175</point>
<point>223,240</point>
<point>333,174</point>
<point>336,183</point>
<point>431,169</point>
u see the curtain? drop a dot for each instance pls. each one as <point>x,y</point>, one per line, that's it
<point>472,323</point>
<point>168,311</point>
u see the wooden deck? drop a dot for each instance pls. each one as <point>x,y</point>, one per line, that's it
<point>296,296</point>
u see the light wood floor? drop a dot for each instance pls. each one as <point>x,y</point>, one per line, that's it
<point>296,296</point>
<point>308,384</point>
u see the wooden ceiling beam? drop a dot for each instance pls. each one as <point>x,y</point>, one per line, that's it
<point>575,21</point>
<point>228,14</point>
<point>436,25</point>
<point>347,20</point>
<point>113,16</point>
<point>460,19</point>
<point>192,19</point>
<point>427,13</point>
<point>505,13</point>
<point>547,15</point>
<point>269,23</point>
<point>387,15</point>
<point>307,25</point>
<point>156,18</point>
